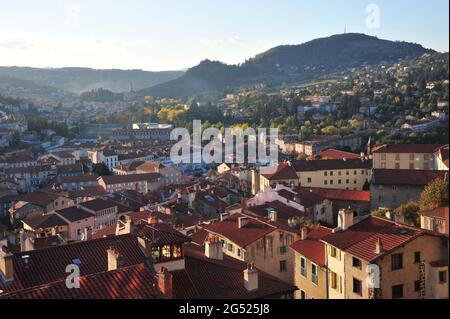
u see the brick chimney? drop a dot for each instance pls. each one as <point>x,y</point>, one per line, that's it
<point>164,282</point>
<point>251,277</point>
<point>6,264</point>
<point>213,248</point>
<point>115,259</point>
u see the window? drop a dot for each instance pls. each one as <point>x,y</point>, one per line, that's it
<point>339,181</point>
<point>397,291</point>
<point>325,173</point>
<point>347,181</point>
<point>333,252</point>
<point>314,277</point>
<point>283,249</point>
<point>442,277</point>
<point>334,280</point>
<point>331,182</point>
<point>309,180</point>
<point>302,294</point>
<point>355,173</point>
<point>397,157</point>
<point>356,263</point>
<point>283,266</point>
<point>303,271</point>
<point>397,261</point>
<point>331,173</point>
<point>325,182</point>
<point>339,173</point>
<point>383,165</point>
<point>417,257</point>
<point>230,247</point>
<point>411,157</point>
<point>417,285</point>
<point>363,172</point>
<point>397,165</point>
<point>357,286</point>
<point>347,173</point>
<point>383,156</point>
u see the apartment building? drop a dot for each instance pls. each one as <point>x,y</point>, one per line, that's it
<point>142,183</point>
<point>271,176</point>
<point>441,158</point>
<point>405,156</point>
<point>435,220</point>
<point>338,174</point>
<point>376,258</point>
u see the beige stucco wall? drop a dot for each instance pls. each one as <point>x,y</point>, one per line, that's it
<point>312,290</point>
<point>404,160</point>
<point>350,181</point>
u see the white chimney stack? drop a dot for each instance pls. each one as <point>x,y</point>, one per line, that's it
<point>345,218</point>
<point>115,259</point>
<point>251,277</point>
<point>213,248</point>
<point>242,221</point>
<point>379,247</point>
<point>6,264</point>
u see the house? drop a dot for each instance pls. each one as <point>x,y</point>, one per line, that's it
<point>30,178</point>
<point>270,176</point>
<point>86,194</point>
<point>104,212</point>
<point>310,266</point>
<point>107,157</point>
<point>316,144</point>
<point>128,168</point>
<point>405,156</point>
<point>250,239</point>
<point>63,157</point>
<point>70,170</point>
<point>375,258</point>
<point>142,183</point>
<point>209,205</point>
<point>391,188</point>
<point>79,221</point>
<point>18,159</point>
<point>357,200</point>
<point>46,225</point>
<point>169,174</point>
<point>70,183</point>
<point>435,220</point>
<point>338,174</point>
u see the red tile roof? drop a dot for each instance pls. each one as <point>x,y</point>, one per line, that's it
<point>312,248</point>
<point>79,179</point>
<point>161,234</point>
<point>336,154</point>
<point>320,165</point>
<point>360,239</point>
<point>133,282</point>
<point>87,192</point>
<point>405,176</point>
<point>74,214</point>
<point>205,278</point>
<point>340,194</point>
<point>49,264</point>
<point>45,221</point>
<point>407,148</point>
<point>282,172</point>
<point>243,237</point>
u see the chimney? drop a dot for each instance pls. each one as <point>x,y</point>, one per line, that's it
<point>304,233</point>
<point>223,216</point>
<point>145,246</point>
<point>242,221</point>
<point>213,248</point>
<point>273,215</point>
<point>115,259</point>
<point>345,218</point>
<point>379,247</point>
<point>87,233</point>
<point>6,263</point>
<point>124,227</point>
<point>164,282</point>
<point>153,220</point>
<point>251,277</point>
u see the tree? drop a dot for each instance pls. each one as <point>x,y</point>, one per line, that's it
<point>434,195</point>
<point>410,212</point>
<point>101,169</point>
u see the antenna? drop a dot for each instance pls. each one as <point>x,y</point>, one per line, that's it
<point>345,29</point>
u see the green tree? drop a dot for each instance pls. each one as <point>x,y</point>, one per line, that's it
<point>410,212</point>
<point>434,195</point>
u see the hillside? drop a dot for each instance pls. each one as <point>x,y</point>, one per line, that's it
<point>289,63</point>
<point>79,80</point>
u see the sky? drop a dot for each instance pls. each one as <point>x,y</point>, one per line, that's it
<point>158,35</point>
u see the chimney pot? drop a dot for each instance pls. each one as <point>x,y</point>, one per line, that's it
<point>164,282</point>
<point>115,259</point>
<point>251,277</point>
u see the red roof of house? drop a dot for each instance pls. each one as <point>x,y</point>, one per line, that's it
<point>406,148</point>
<point>360,239</point>
<point>92,255</point>
<point>405,176</point>
<point>243,237</point>
<point>282,172</point>
<point>312,248</point>
<point>119,179</point>
<point>337,154</point>
<point>340,194</point>
<point>133,282</point>
<point>205,278</point>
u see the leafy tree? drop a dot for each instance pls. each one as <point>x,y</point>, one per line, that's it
<point>410,212</point>
<point>434,195</point>
<point>101,169</point>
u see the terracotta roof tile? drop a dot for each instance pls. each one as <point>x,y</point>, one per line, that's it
<point>405,177</point>
<point>312,248</point>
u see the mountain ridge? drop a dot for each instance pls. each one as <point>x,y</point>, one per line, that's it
<point>289,63</point>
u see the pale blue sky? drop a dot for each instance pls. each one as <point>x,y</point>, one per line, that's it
<point>175,34</point>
